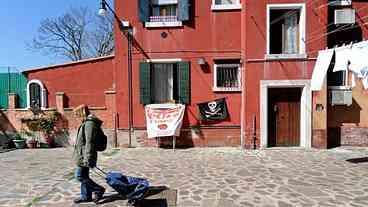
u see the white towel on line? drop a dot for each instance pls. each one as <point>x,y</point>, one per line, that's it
<point>359,59</point>
<point>320,69</point>
<point>342,56</point>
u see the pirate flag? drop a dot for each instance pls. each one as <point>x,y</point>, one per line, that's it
<point>214,110</point>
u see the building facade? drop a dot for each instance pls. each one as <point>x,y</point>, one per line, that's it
<point>257,54</point>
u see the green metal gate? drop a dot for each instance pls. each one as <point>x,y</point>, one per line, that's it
<point>13,83</point>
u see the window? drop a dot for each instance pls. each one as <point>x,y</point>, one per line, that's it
<point>164,82</point>
<point>286,28</point>
<point>163,13</point>
<point>337,79</point>
<point>36,95</point>
<point>227,76</point>
<point>225,4</point>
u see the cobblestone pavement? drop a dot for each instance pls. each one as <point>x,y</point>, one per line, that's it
<point>210,177</point>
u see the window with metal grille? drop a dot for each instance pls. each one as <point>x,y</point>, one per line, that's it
<point>227,77</point>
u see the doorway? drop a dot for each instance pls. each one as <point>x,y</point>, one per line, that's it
<point>301,94</point>
<point>284,117</point>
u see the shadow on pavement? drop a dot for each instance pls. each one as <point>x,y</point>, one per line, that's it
<point>155,201</point>
<point>358,160</point>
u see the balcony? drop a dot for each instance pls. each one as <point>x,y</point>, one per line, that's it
<point>163,21</point>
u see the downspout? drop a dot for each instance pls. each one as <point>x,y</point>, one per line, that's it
<point>243,63</point>
<point>130,90</point>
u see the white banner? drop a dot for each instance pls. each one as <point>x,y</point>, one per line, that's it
<point>164,120</point>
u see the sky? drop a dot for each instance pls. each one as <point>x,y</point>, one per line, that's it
<point>20,19</point>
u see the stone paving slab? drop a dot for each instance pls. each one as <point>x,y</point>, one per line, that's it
<point>196,177</point>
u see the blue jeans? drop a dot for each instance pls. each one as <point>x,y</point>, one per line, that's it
<point>87,184</point>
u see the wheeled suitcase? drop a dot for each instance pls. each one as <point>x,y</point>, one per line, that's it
<point>132,187</point>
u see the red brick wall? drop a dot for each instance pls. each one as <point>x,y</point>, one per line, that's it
<point>319,138</point>
<point>82,82</point>
<point>197,137</point>
<point>354,136</point>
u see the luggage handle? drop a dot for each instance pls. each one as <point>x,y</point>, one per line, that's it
<point>99,172</point>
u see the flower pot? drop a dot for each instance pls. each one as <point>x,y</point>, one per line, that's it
<point>48,139</point>
<point>19,143</point>
<point>32,144</point>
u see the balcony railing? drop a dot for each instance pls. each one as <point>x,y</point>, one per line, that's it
<point>163,18</point>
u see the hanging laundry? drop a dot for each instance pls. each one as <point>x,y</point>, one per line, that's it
<point>365,82</point>
<point>353,83</point>
<point>358,58</point>
<point>342,55</point>
<point>364,74</point>
<point>320,69</point>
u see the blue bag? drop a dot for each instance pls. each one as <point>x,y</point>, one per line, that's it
<point>132,187</point>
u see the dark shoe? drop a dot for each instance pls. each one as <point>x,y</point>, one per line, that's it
<point>80,200</point>
<point>99,195</point>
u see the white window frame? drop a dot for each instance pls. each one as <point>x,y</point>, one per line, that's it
<point>234,6</point>
<point>302,29</point>
<point>215,88</point>
<point>43,94</point>
<point>164,24</point>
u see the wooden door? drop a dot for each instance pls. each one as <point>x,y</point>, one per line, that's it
<point>284,116</point>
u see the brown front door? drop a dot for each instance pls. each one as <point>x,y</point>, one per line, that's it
<point>284,116</point>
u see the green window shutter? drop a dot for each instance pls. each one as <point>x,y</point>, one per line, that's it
<point>184,82</point>
<point>145,82</point>
<point>144,10</point>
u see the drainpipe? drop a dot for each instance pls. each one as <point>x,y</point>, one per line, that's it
<point>130,102</point>
<point>243,63</point>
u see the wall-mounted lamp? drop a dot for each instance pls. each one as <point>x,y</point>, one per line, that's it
<point>201,61</point>
<point>103,10</point>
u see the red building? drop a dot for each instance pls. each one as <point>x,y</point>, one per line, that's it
<point>258,54</point>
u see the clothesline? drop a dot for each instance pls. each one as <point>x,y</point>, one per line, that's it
<point>353,57</point>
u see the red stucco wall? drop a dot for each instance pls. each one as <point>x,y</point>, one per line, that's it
<point>82,83</point>
<point>211,35</point>
<point>258,68</point>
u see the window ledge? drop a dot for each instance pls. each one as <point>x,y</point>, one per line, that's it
<point>163,24</point>
<point>226,7</point>
<point>285,56</point>
<point>226,89</point>
<point>339,87</point>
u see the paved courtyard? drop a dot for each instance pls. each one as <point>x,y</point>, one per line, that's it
<point>210,177</point>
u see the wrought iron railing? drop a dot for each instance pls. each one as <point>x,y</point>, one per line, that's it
<point>163,18</point>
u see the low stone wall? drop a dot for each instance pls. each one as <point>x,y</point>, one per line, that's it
<point>354,136</point>
<point>194,137</point>
<point>11,120</point>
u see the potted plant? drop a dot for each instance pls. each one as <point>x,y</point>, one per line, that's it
<point>47,127</point>
<point>32,139</point>
<point>32,143</point>
<point>44,126</point>
<point>19,141</point>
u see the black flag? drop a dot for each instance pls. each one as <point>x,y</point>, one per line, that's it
<point>213,110</point>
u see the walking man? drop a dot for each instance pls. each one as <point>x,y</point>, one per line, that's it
<point>85,155</point>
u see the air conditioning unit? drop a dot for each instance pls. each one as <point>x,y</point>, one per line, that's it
<point>341,3</point>
<point>341,97</point>
<point>344,16</point>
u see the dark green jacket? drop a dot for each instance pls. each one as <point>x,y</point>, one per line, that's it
<point>85,154</point>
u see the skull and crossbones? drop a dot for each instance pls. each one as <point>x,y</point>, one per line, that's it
<point>213,109</point>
